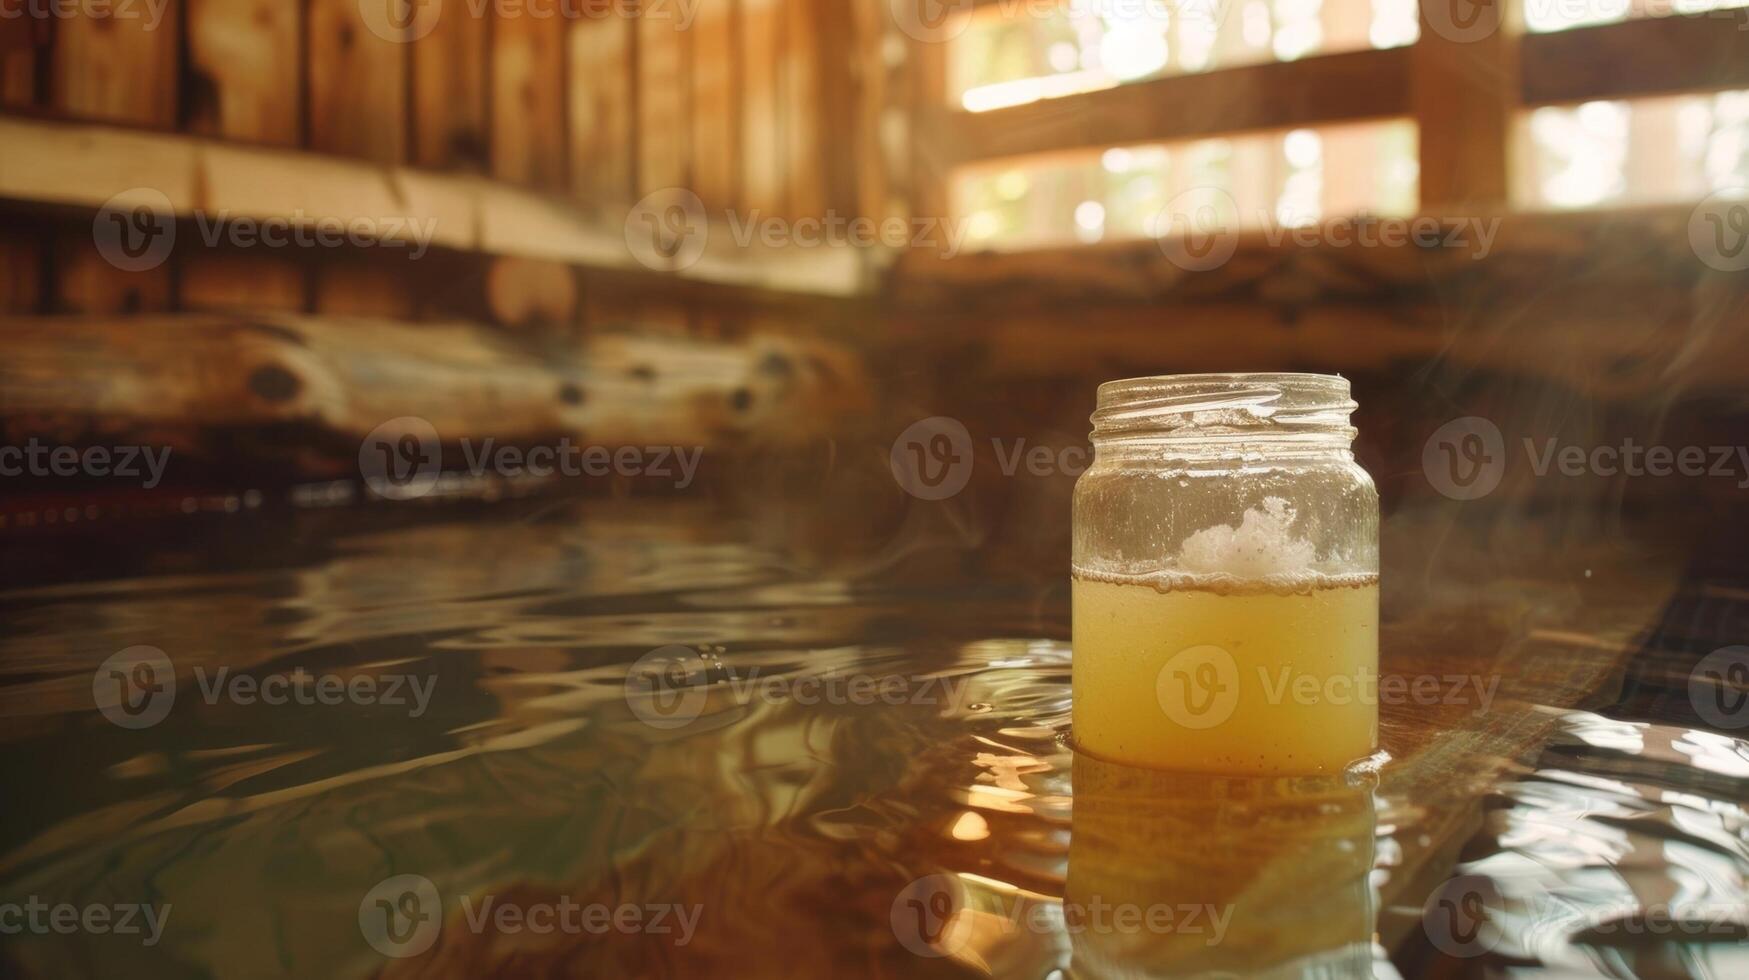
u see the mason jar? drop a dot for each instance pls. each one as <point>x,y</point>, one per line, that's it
<point>1226,560</point>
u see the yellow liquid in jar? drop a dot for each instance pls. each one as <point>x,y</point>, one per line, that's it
<point>1240,681</point>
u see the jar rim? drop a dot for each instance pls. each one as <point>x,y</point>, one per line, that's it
<point>1244,406</point>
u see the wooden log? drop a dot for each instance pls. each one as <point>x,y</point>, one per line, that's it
<point>243,71</point>
<point>601,106</point>
<point>357,81</point>
<point>198,382</point>
<point>450,92</point>
<point>528,91</point>
<point>114,67</point>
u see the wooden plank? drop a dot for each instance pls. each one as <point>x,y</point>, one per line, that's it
<point>1328,88</point>
<point>117,68</point>
<point>1637,57</point>
<point>931,158</point>
<point>716,105</point>
<point>21,269</point>
<point>601,105</point>
<point>357,82</point>
<point>804,134</point>
<point>85,282</point>
<point>83,166</point>
<point>24,45</point>
<point>374,286</point>
<point>528,92</point>
<point>664,119</point>
<point>763,165</point>
<point>239,281</point>
<point>450,88</point>
<point>1464,89</point>
<point>243,63</point>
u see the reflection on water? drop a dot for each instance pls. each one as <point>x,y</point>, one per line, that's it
<point>854,775</point>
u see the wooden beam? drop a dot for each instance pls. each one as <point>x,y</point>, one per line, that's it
<point>1323,89</point>
<point>79,166</point>
<point>1464,92</point>
<point>1638,57</point>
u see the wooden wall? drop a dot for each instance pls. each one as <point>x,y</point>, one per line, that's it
<point>752,104</point>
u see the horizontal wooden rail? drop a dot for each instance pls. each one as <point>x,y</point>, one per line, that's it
<point>1641,57</point>
<point>1638,57</point>
<point>84,166</point>
<point>1329,88</point>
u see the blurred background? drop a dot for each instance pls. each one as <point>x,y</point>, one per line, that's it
<point>500,343</point>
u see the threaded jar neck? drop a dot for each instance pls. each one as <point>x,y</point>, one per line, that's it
<point>1202,413</point>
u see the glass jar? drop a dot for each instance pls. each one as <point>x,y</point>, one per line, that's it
<point>1225,586</point>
